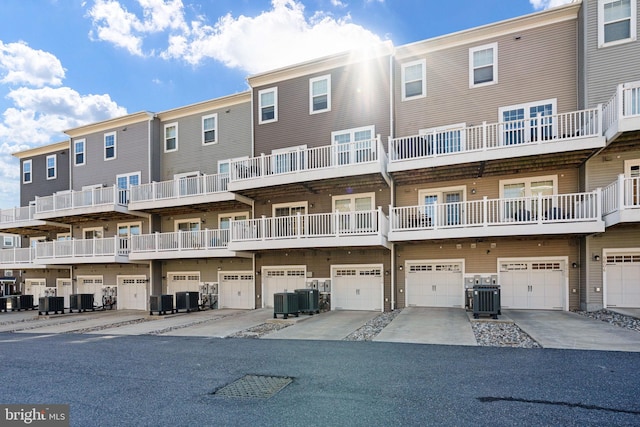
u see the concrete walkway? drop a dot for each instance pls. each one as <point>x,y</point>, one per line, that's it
<point>330,325</point>
<point>566,330</point>
<point>448,326</point>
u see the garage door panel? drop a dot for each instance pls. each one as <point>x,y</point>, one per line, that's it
<point>282,279</point>
<point>527,284</point>
<point>236,290</point>
<point>435,284</point>
<point>621,275</point>
<point>132,293</point>
<point>357,288</point>
<point>183,282</point>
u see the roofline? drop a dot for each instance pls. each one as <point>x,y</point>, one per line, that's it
<point>43,149</point>
<point>200,107</point>
<point>110,123</point>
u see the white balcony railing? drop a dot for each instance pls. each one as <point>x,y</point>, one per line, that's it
<point>487,136</point>
<point>563,208</point>
<point>179,241</point>
<point>22,214</point>
<point>84,198</point>
<point>178,188</point>
<point>306,159</point>
<point>622,194</point>
<point>83,248</point>
<point>300,226</point>
<point>17,256</point>
<point>625,103</point>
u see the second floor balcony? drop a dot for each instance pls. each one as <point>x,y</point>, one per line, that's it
<point>577,213</point>
<point>303,164</point>
<point>337,229</point>
<point>622,112</point>
<point>181,244</point>
<point>534,136</point>
<point>22,221</point>
<point>72,203</point>
<point>621,201</point>
<point>83,251</point>
<point>19,258</point>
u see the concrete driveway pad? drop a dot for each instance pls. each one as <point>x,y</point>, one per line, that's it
<point>331,325</point>
<point>226,325</point>
<point>566,330</point>
<point>428,325</point>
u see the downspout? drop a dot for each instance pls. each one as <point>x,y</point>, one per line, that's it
<point>392,186</point>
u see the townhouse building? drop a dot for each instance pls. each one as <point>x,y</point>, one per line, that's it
<point>390,177</point>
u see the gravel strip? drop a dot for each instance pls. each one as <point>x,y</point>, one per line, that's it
<point>369,330</point>
<point>108,326</point>
<point>613,318</point>
<point>259,330</point>
<point>500,334</point>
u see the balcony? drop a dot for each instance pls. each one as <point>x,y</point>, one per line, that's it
<point>621,201</point>
<point>19,258</point>
<point>578,130</point>
<point>339,229</point>
<point>182,192</point>
<point>181,244</point>
<point>622,112</point>
<point>84,251</point>
<point>65,204</point>
<point>22,220</point>
<point>310,164</point>
<point>559,214</point>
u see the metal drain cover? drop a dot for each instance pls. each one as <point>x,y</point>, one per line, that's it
<point>254,386</point>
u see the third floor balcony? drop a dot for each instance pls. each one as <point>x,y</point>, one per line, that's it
<point>83,251</point>
<point>622,112</point>
<point>621,201</point>
<point>181,244</point>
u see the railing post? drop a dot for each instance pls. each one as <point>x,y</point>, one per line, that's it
<point>484,136</point>
<point>599,121</point>
<point>391,154</point>
<point>622,199</point>
<point>262,168</point>
<point>539,208</point>
<point>538,127</point>
<point>598,194</point>
<point>263,227</point>
<point>336,223</point>
<point>620,101</point>
<point>155,243</point>
<point>485,211</point>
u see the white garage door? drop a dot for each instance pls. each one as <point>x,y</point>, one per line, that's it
<point>281,279</point>
<point>91,285</point>
<point>539,284</point>
<point>621,277</point>
<point>236,290</point>
<point>132,293</point>
<point>357,287</point>
<point>434,284</point>
<point>64,289</point>
<point>182,281</point>
<point>37,288</point>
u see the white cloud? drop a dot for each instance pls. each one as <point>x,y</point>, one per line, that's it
<point>272,39</point>
<point>547,4</point>
<point>24,65</point>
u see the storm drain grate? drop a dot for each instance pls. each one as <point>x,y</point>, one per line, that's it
<point>254,386</point>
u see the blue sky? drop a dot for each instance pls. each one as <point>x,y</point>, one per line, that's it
<point>65,63</point>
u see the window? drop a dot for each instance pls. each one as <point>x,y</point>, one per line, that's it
<point>616,21</point>
<point>442,206</point>
<point>224,220</point>
<point>192,224</point>
<point>93,233</point>
<point>483,65</point>
<point>129,229</point>
<point>286,220</point>
<point>26,171</point>
<point>442,140</point>
<point>63,236</point>
<point>33,241</point>
<point>354,145</point>
<point>109,146</point>
<point>170,137</point>
<point>268,105</point>
<point>124,182</point>
<point>528,122</point>
<point>51,166</point>
<point>7,241</point>
<point>414,80</point>
<point>209,129</point>
<point>78,152</point>
<point>320,94</point>
<point>288,159</point>
<point>525,192</point>
<point>355,212</point>
<point>632,186</point>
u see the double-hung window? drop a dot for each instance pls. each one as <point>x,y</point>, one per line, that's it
<point>78,152</point>
<point>320,94</point>
<point>51,167</point>
<point>26,172</point>
<point>170,137</point>
<point>616,21</point>
<point>210,129</point>
<point>483,65</point>
<point>414,79</point>
<point>268,105</point>
<point>110,146</point>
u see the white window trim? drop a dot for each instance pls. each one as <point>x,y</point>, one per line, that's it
<point>353,131</point>
<point>84,152</point>
<point>228,161</point>
<point>215,129</point>
<point>30,163</point>
<point>63,236</point>
<point>176,222</point>
<point>326,77</point>
<point>303,203</point>
<point>36,239</point>
<point>128,225</point>
<point>472,50</point>
<point>628,164</point>
<point>55,166</point>
<point>275,105</point>
<point>164,137</point>
<point>129,175</point>
<point>101,229</point>
<point>353,198</point>
<point>527,181</point>
<point>115,146</point>
<point>439,191</point>
<point>526,106</point>
<point>633,25</point>
<point>449,128</point>
<point>8,241</point>
<point>423,62</point>
<point>91,187</point>
<point>231,215</point>
<point>183,175</point>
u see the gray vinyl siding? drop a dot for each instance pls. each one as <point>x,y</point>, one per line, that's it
<point>606,67</point>
<point>540,65</point>
<point>353,105</point>
<point>132,155</point>
<point>40,186</point>
<point>604,168</point>
<point>156,151</point>
<point>233,140</point>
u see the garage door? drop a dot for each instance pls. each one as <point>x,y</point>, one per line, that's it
<point>357,288</point>
<point>37,288</point>
<point>621,277</point>
<point>533,284</point>
<point>281,279</point>
<point>64,289</point>
<point>434,284</point>
<point>91,285</point>
<point>132,293</point>
<point>236,290</point>
<point>183,281</point>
